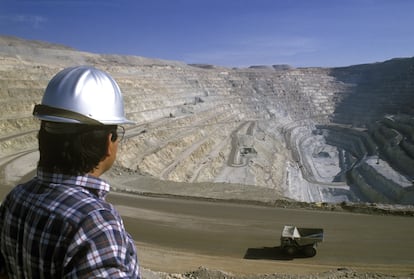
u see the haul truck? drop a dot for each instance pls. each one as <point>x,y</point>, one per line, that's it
<point>300,240</point>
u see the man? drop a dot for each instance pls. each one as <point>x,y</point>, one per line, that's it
<point>58,225</point>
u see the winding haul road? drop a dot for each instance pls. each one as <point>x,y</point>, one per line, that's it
<point>245,232</point>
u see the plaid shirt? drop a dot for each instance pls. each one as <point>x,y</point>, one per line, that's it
<point>60,226</point>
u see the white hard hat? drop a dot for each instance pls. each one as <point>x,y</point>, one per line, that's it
<point>82,95</point>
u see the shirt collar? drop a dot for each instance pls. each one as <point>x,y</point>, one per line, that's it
<point>100,186</point>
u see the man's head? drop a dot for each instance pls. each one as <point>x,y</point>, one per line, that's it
<point>80,112</point>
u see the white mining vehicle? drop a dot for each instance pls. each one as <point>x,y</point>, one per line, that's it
<point>296,240</point>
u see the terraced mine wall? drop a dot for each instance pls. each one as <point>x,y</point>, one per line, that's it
<point>311,134</point>
<point>386,87</point>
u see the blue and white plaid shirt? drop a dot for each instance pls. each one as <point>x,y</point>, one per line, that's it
<point>60,226</point>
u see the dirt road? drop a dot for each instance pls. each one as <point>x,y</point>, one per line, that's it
<point>180,235</point>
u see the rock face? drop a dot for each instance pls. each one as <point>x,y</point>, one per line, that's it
<point>311,134</point>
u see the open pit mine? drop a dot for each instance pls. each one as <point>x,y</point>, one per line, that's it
<point>327,135</point>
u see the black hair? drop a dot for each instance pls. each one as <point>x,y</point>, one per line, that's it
<point>74,149</point>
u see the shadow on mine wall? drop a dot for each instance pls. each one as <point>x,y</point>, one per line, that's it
<point>374,90</point>
<point>379,98</point>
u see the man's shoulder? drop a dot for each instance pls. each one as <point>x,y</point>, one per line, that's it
<point>76,202</point>
<point>69,202</point>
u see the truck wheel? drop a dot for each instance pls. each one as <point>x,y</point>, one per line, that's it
<point>309,251</point>
<point>290,250</point>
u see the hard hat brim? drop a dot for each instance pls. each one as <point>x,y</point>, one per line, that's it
<point>54,114</point>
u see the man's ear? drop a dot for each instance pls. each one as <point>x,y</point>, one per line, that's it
<point>109,145</point>
<point>113,137</point>
<point>107,160</point>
